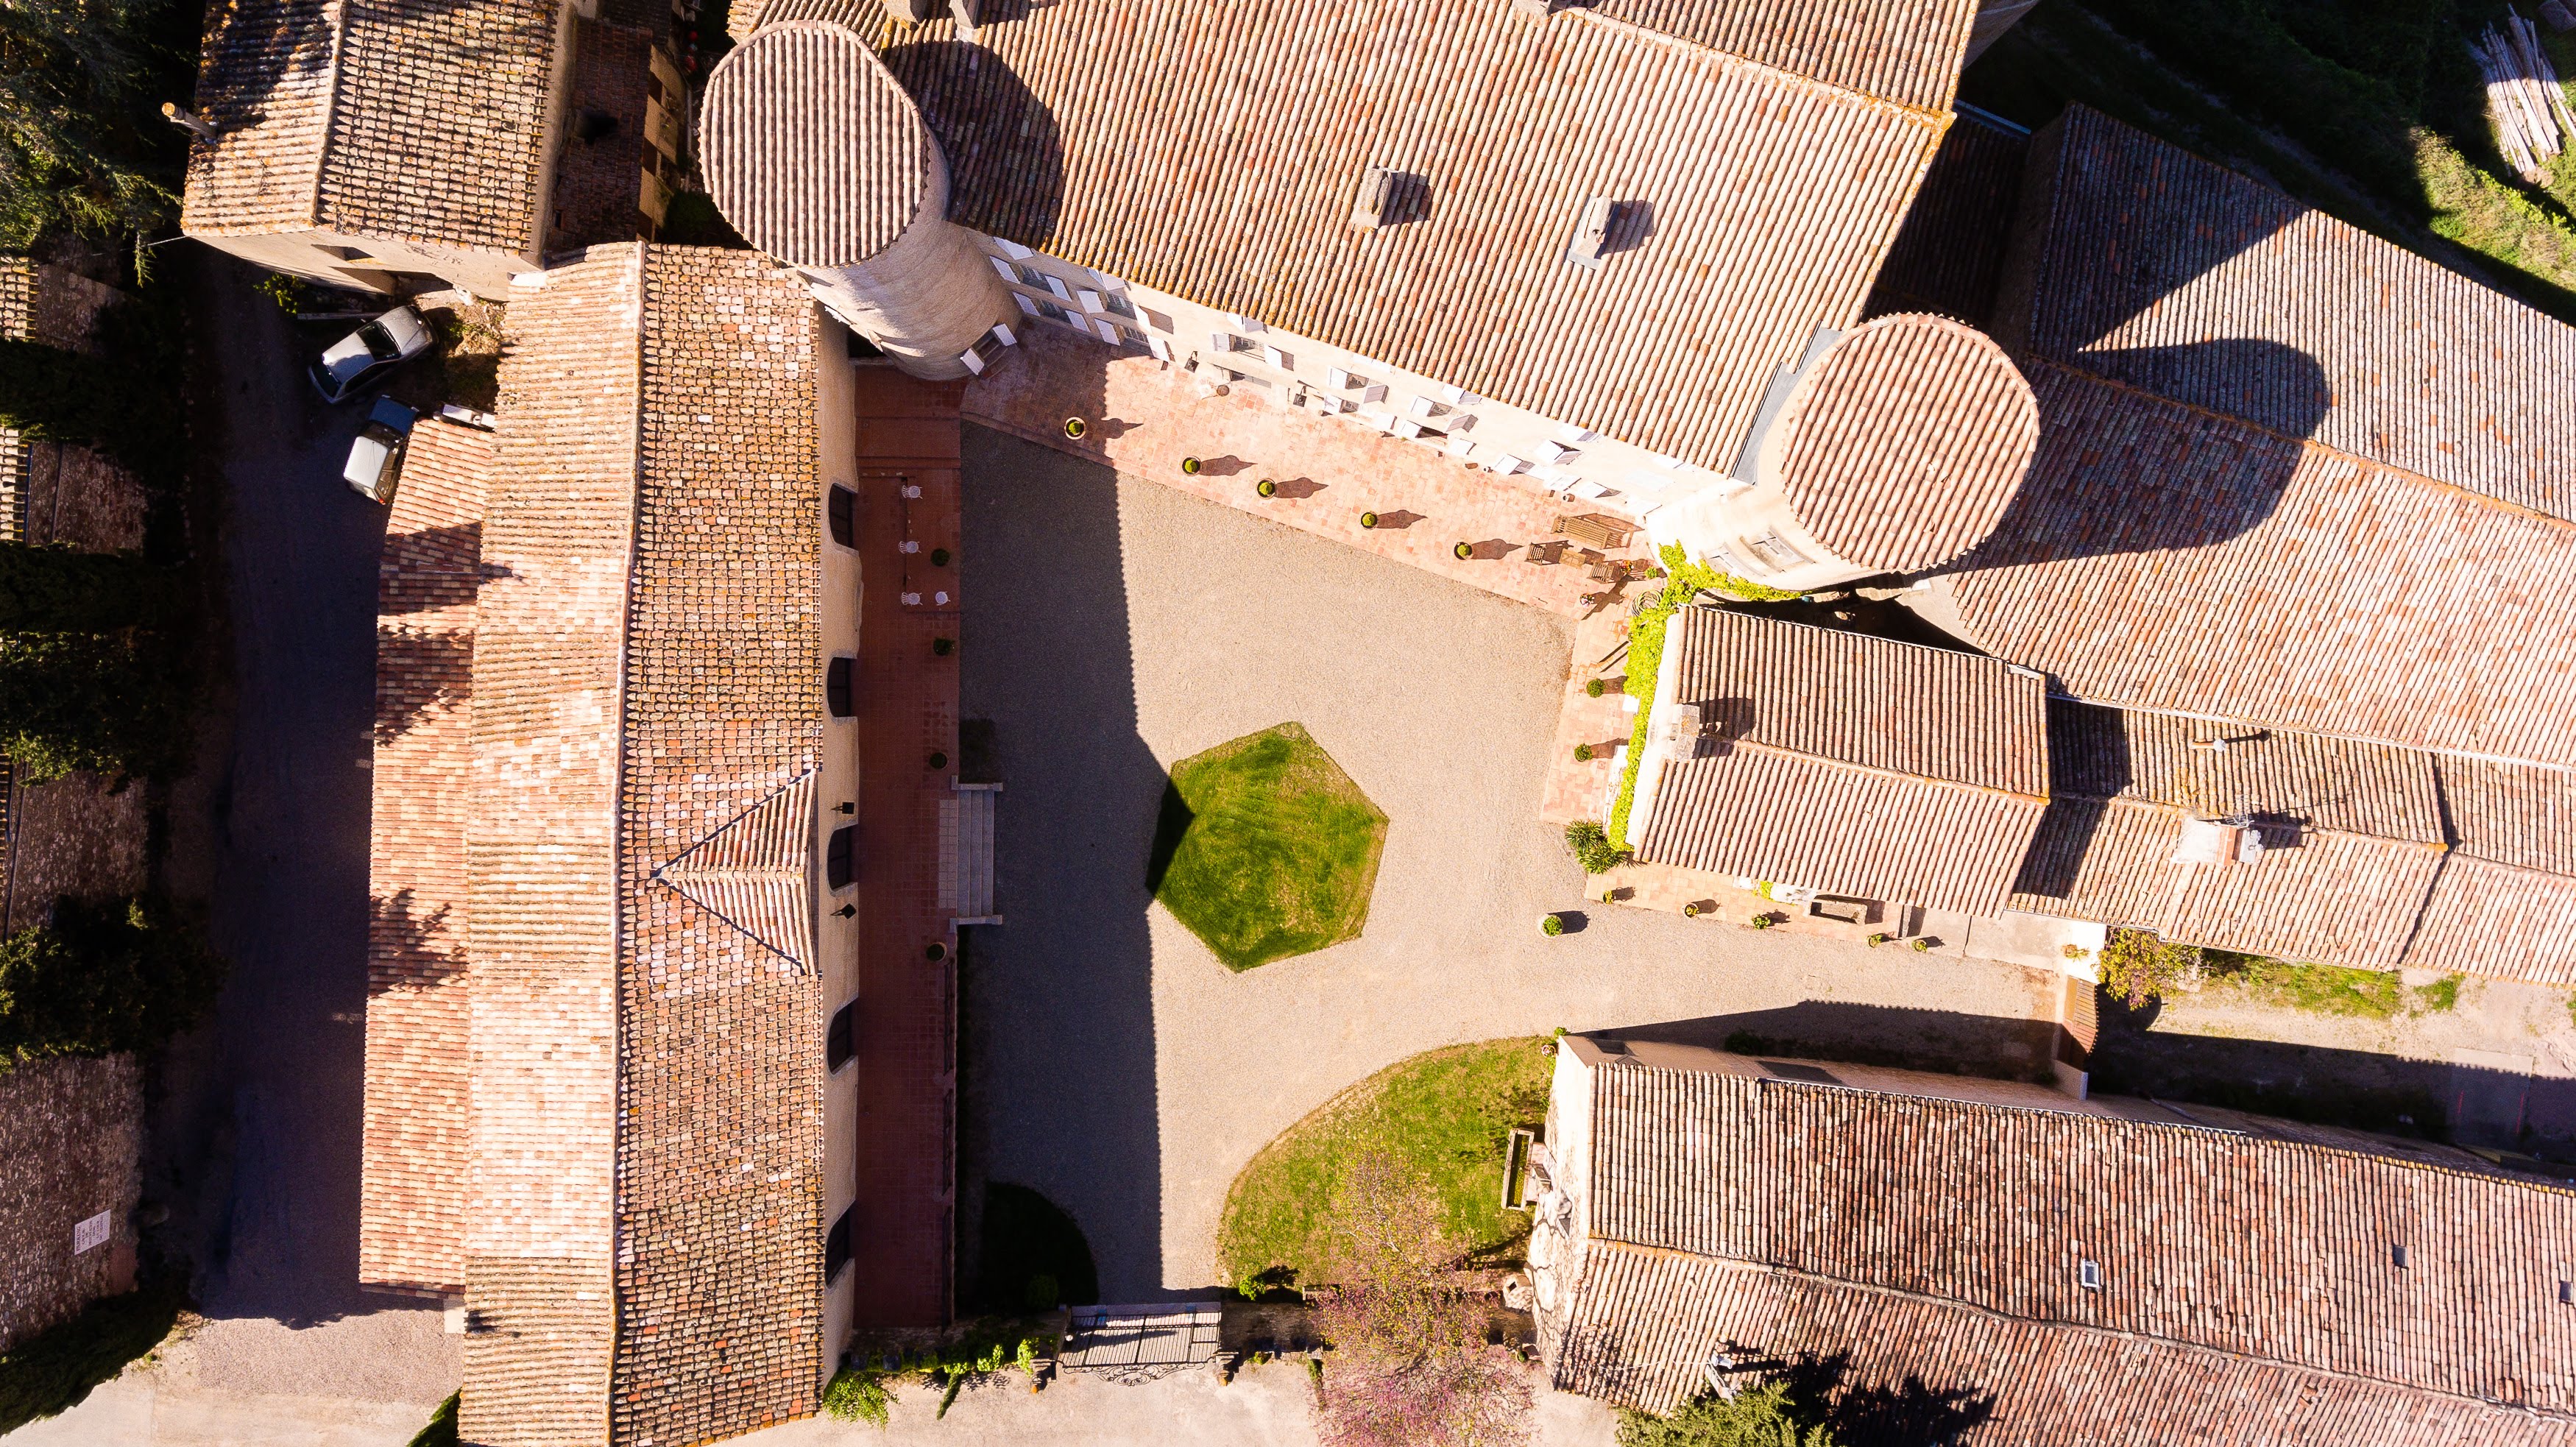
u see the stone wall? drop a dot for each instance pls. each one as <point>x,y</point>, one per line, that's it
<point>72,836</point>
<point>50,492</point>
<point>71,1132</point>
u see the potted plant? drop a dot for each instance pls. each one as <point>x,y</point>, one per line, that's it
<point>1266,488</point>
<point>1592,688</point>
<point>938,760</point>
<point>939,557</point>
<point>1761,921</point>
<point>1074,427</point>
<point>943,646</point>
<point>1583,753</point>
<point>1690,911</point>
<point>1922,943</point>
<point>1551,925</point>
<point>1191,466</point>
<point>1368,519</point>
<point>936,952</point>
<point>1877,938</point>
<point>1463,551</point>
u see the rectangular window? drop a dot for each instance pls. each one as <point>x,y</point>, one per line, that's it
<point>1118,306</point>
<point>839,1042</point>
<point>1031,277</point>
<point>836,687</point>
<point>841,857</point>
<point>841,510</point>
<point>836,1245</point>
<point>1052,312</point>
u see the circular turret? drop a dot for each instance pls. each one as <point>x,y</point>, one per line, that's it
<point>817,155</point>
<point>1900,448</point>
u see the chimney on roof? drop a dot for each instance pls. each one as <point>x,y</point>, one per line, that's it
<point>188,120</point>
<point>1537,10</point>
<point>1375,205</point>
<point>1592,233</point>
<point>2218,841</point>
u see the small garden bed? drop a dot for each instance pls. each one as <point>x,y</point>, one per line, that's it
<point>1265,848</point>
<point>1447,1115</point>
<point>1684,581</point>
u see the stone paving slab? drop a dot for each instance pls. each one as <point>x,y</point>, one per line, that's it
<point>1144,416</point>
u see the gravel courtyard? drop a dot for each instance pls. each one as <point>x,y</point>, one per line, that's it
<point>1111,1061</point>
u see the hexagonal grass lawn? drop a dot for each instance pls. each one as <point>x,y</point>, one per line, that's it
<point>1265,848</point>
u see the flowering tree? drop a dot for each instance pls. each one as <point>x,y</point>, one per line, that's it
<point>1411,1366</point>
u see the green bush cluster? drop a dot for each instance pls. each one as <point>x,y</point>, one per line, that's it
<point>1763,1416</point>
<point>1683,581</point>
<point>864,1393</point>
<point>119,408</point>
<point>57,590</point>
<point>114,702</point>
<point>102,978</point>
<point>1592,847</point>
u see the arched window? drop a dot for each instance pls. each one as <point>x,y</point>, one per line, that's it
<point>840,1042</point>
<point>836,1245</point>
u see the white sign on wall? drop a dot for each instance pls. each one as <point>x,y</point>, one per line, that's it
<point>89,1234</point>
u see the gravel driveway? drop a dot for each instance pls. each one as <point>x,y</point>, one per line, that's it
<point>1112,1062</point>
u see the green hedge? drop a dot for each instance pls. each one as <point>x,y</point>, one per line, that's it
<point>124,411</point>
<point>112,702</point>
<point>58,590</point>
<point>102,978</point>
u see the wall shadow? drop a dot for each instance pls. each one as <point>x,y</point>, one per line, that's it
<point>1898,1037</point>
<point>2117,473</point>
<point>1058,1093</point>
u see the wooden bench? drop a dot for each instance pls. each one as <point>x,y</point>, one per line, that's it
<point>1596,529</point>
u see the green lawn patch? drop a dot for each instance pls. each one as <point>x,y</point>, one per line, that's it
<point>1449,1114</point>
<point>1266,848</point>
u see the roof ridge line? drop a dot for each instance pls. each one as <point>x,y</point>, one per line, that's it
<point>1882,771</point>
<point>1765,1268</point>
<point>1941,119</point>
<point>675,862</point>
<point>747,932</point>
<point>2136,802</point>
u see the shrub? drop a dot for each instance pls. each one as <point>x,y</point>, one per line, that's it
<point>1075,427</point>
<point>1583,754</point>
<point>112,702</point>
<point>1266,488</point>
<point>1411,1367</point>
<point>943,646</point>
<point>1463,551</point>
<point>1760,921</point>
<point>118,410</point>
<point>57,590</point>
<point>939,557</point>
<point>1921,944</point>
<point>1690,911</point>
<point>1368,519</point>
<point>100,979</point>
<point>441,1431</point>
<point>858,1395</point>
<point>2138,967</point>
<point>1551,925</point>
<point>1592,688</point>
<point>1592,847</point>
<point>1191,466</point>
<point>1763,1416</point>
<point>1878,938</point>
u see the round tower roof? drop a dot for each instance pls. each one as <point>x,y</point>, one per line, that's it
<point>1903,444</point>
<point>813,151</point>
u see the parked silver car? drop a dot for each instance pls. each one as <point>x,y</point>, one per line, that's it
<point>376,457</point>
<point>375,348</point>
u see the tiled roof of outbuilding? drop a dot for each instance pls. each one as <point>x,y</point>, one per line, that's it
<point>1850,763</point>
<point>813,151</point>
<point>2505,901</point>
<point>420,120</point>
<point>2251,1248</point>
<point>2164,557</point>
<point>647,1031</point>
<point>415,1149</point>
<point>2144,263</point>
<point>1949,255</point>
<point>1902,446</point>
<point>1213,152</point>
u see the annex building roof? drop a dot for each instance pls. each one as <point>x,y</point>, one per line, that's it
<point>2352,835</point>
<point>1848,763</point>
<point>2140,262</point>
<point>2505,901</point>
<point>417,120</point>
<point>621,846</point>
<point>2060,1265</point>
<point>1213,152</point>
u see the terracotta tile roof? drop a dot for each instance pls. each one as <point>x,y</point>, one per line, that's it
<point>415,1151</point>
<point>2236,1250</point>
<point>1907,53</point>
<point>2164,557</point>
<point>648,1057</point>
<point>2505,902</point>
<point>419,120</point>
<point>1761,202</point>
<point>816,154</point>
<point>1850,763</point>
<point>720,1153</point>
<point>543,930</point>
<point>2353,834</point>
<point>1949,255</point>
<point>1939,1371</point>
<point>2144,263</point>
<point>1905,442</point>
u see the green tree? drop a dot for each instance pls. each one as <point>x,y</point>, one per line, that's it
<point>110,407</point>
<point>79,148</point>
<point>102,978</point>
<point>59,590</point>
<point>1764,1416</point>
<point>114,703</point>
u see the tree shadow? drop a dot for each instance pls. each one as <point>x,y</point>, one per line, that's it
<point>1906,1412</point>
